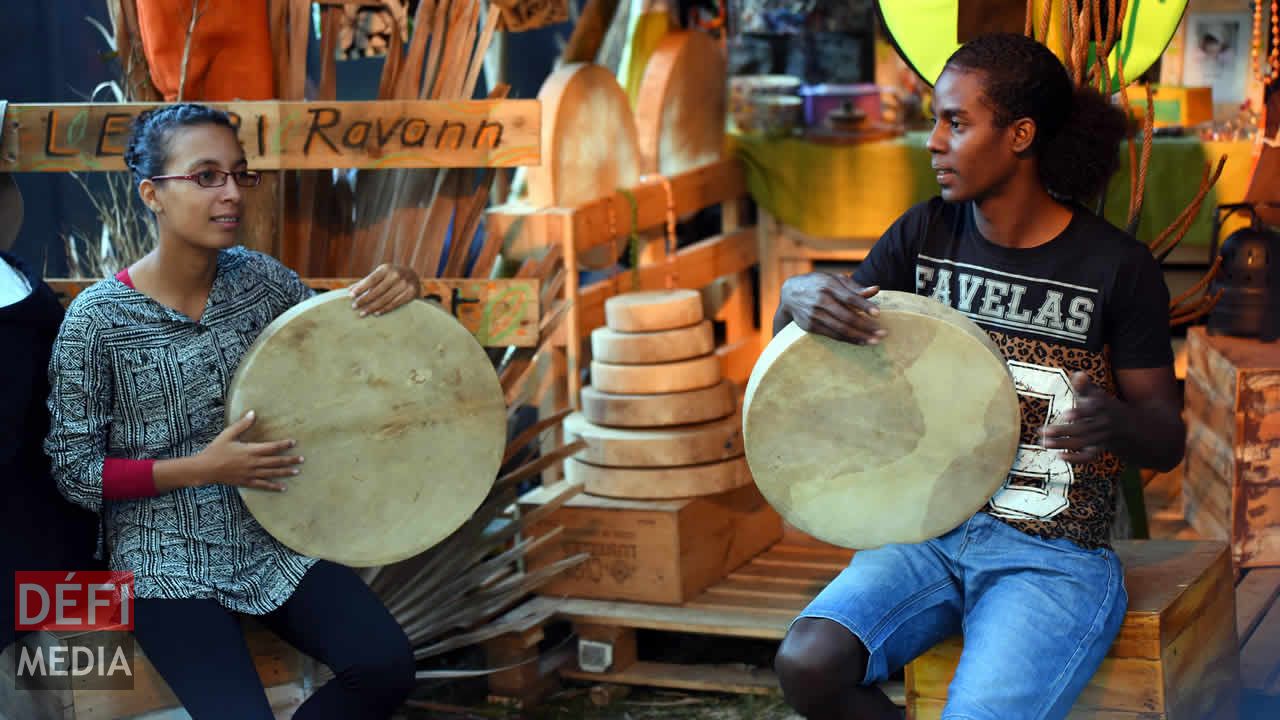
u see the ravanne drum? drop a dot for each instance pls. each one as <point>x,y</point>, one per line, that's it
<point>589,146</point>
<point>865,445</point>
<point>680,104</point>
<point>401,419</point>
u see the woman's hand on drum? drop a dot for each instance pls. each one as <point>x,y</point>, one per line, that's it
<point>385,289</point>
<point>833,305</point>
<point>1091,427</point>
<point>228,461</point>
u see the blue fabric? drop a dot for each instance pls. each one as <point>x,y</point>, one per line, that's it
<point>1037,615</point>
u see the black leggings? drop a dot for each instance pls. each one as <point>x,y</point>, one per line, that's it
<point>333,616</point>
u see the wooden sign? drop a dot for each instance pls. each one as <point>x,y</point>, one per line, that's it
<point>292,135</point>
<point>522,15</point>
<point>499,313</point>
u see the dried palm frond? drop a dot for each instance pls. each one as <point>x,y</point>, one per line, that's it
<point>449,596</point>
<point>125,229</point>
<point>126,233</point>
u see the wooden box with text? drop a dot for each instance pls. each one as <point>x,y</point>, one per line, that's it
<point>654,551</point>
<point>1231,478</point>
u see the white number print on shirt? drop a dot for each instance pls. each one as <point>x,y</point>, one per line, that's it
<point>1037,486</point>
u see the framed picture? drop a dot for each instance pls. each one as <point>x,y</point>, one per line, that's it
<point>1216,54</point>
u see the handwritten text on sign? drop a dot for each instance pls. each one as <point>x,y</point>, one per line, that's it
<point>292,135</point>
<point>499,313</point>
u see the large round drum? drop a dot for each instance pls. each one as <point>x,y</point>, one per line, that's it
<point>865,445</point>
<point>401,419</point>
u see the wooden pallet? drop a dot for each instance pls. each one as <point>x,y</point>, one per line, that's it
<point>1257,595</point>
<point>1258,625</point>
<point>760,599</point>
<point>757,601</point>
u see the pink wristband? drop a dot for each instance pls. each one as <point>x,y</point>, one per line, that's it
<point>124,479</point>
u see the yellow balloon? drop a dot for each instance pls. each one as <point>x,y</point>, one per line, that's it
<point>925,33</point>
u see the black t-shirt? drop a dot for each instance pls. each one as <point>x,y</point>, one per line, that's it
<point>1093,299</point>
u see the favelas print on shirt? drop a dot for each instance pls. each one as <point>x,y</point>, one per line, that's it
<point>1042,487</point>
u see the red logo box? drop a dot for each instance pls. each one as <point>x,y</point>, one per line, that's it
<point>73,601</point>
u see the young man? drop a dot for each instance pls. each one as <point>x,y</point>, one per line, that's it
<point>1080,311</point>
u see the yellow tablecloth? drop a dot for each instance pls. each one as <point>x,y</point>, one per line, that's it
<point>857,191</point>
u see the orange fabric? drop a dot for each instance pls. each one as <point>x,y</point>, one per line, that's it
<point>230,49</point>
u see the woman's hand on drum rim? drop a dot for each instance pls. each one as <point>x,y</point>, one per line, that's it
<point>259,465</point>
<point>835,306</point>
<point>385,289</point>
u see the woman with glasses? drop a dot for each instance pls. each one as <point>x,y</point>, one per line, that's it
<point>139,373</point>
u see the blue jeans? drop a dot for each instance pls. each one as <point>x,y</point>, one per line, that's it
<point>1037,616</point>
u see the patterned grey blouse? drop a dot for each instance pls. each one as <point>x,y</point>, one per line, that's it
<point>132,378</point>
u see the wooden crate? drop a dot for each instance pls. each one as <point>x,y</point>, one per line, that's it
<point>1231,478</point>
<point>1257,604</point>
<point>284,671</point>
<point>664,551</point>
<point>1258,622</point>
<point>757,601</point>
<point>1177,653</point>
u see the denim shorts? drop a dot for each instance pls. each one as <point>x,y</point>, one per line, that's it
<point>1037,616</point>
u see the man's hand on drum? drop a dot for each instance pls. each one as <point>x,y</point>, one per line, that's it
<point>833,305</point>
<point>228,461</point>
<point>1091,427</point>
<point>385,289</point>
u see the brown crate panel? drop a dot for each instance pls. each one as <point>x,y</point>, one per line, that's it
<point>795,574</point>
<point>672,618</point>
<point>1202,666</point>
<point>827,562</point>
<point>930,709</point>
<point>758,600</point>
<point>1209,405</point>
<point>1203,442</point>
<point>808,554</point>
<point>1260,655</point>
<point>716,599</point>
<point>768,589</point>
<point>1257,523</point>
<point>1126,684</point>
<point>712,678</point>
<point>643,551</point>
<point>1256,593</point>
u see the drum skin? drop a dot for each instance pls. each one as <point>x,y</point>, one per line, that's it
<point>865,445</point>
<point>400,418</point>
